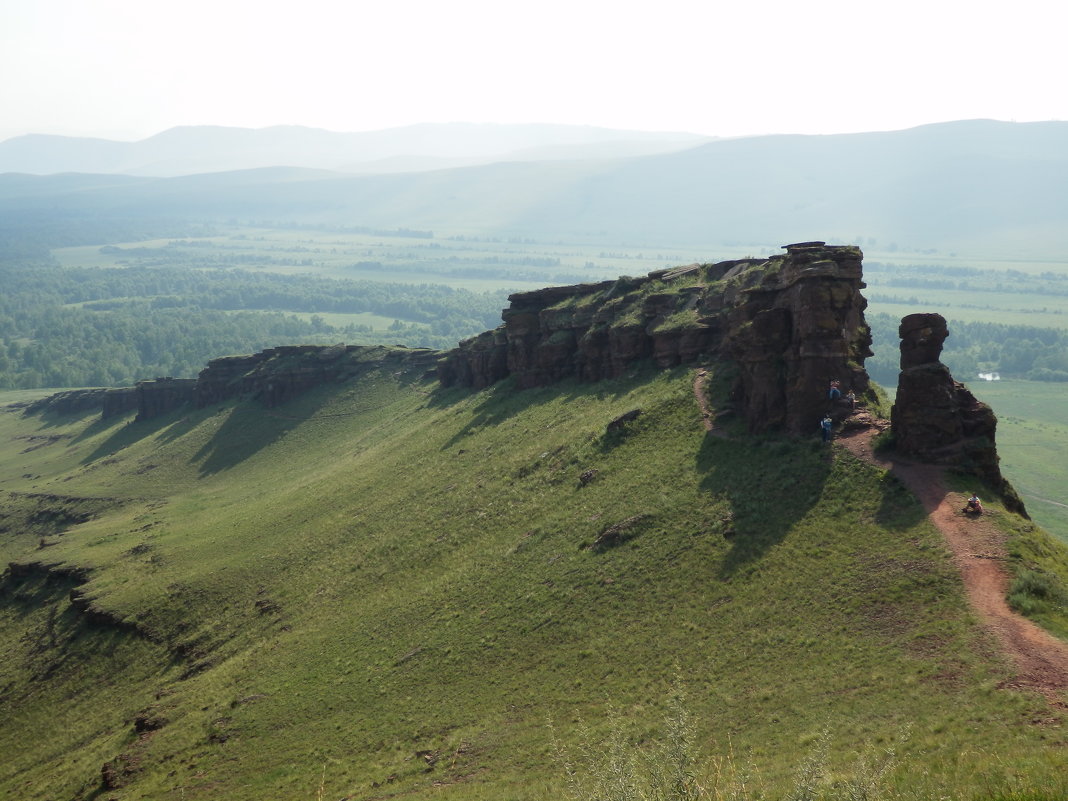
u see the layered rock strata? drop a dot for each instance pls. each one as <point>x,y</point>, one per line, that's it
<point>277,375</point>
<point>935,418</point>
<point>273,376</point>
<point>791,322</point>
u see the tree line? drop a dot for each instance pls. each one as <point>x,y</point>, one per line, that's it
<point>115,326</point>
<point>1014,351</point>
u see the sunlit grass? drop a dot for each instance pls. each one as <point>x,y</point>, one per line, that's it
<point>395,581</point>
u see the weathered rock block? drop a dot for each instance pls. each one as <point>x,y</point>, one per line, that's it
<point>935,418</point>
<point>792,322</point>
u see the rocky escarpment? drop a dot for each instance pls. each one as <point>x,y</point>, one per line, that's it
<point>272,376</point>
<point>935,418</point>
<point>277,375</point>
<point>114,401</point>
<point>791,322</point>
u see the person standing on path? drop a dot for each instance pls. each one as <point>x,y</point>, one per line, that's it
<point>825,428</point>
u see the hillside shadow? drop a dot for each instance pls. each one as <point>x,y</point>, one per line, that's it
<point>502,401</point>
<point>123,436</point>
<point>899,509</point>
<point>247,429</point>
<point>50,418</point>
<point>769,483</point>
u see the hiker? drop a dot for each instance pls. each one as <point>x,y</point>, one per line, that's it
<point>835,392</point>
<point>852,398</point>
<point>974,505</point>
<point>825,428</point>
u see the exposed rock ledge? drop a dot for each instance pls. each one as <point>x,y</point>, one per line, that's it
<point>273,376</point>
<point>792,323</point>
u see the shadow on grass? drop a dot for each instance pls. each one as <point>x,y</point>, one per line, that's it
<point>249,427</point>
<point>502,401</point>
<point>770,484</point>
<point>899,508</point>
<point>53,419</point>
<point>124,435</point>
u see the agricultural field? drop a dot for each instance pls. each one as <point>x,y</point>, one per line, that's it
<point>1025,292</point>
<point>460,261</point>
<point>1032,442</point>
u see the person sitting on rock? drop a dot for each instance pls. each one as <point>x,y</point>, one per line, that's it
<point>835,392</point>
<point>974,505</point>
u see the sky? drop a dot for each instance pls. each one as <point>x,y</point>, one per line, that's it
<point>127,69</point>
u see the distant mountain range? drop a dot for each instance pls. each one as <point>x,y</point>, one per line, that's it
<point>980,187</point>
<point>199,149</point>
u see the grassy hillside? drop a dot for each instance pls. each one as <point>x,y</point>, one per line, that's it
<point>385,589</point>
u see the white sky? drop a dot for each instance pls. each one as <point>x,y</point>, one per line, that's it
<point>127,69</point>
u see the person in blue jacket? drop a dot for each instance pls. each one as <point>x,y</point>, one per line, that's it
<point>825,428</point>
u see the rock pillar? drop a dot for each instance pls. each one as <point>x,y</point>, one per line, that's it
<point>936,419</point>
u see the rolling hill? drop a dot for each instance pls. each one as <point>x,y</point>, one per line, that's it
<point>190,150</point>
<point>977,187</point>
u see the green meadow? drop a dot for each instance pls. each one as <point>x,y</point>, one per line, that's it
<point>386,589</point>
<point>1032,442</point>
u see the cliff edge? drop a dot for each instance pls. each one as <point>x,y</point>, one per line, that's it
<point>791,322</point>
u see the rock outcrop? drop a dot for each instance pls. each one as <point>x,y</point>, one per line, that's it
<point>273,376</point>
<point>163,395</point>
<point>935,418</point>
<point>791,322</point>
<point>118,401</point>
<point>280,374</point>
<point>68,402</point>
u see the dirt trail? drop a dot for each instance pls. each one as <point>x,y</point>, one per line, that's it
<point>978,550</point>
<point>707,415</point>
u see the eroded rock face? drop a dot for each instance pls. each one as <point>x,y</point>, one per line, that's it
<point>791,322</point>
<point>277,375</point>
<point>935,418</point>
<point>273,376</point>
<point>163,395</point>
<point>68,402</point>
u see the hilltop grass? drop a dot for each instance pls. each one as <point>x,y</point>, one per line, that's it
<point>389,584</point>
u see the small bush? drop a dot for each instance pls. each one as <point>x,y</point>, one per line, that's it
<point>884,442</point>
<point>1034,592</point>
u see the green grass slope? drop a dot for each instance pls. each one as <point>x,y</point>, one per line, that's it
<point>384,589</point>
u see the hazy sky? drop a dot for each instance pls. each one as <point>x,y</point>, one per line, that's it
<point>130,68</point>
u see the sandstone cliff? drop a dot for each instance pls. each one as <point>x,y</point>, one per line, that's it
<point>272,376</point>
<point>791,323</point>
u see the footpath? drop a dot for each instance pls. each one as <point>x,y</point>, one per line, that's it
<point>978,550</point>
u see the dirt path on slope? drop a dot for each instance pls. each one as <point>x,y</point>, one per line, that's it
<point>978,549</point>
<point>707,415</point>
